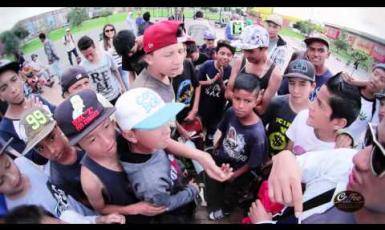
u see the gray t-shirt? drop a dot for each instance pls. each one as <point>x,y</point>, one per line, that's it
<point>331,216</point>
<point>102,78</point>
<point>166,92</point>
<point>152,181</point>
<point>42,192</point>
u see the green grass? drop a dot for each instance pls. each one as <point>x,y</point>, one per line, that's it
<point>291,33</point>
<point>58,34</point>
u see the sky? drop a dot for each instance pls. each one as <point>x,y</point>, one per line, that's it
<point>366,19</point>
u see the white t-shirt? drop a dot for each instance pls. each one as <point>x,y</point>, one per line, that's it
<point>358,128</point>
<point>51,198</point>
<point>101,76</point>
<point>68,43</point>
<point>303,136</point>
<point>324,170</point>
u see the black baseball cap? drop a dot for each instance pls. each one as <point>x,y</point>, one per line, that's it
<point>380,95</point>
<point>4,145</point>
<point>79,114</point>
<point>321,39</point>
<point>379,66</point>
<point>9,65</point>
<point>301,68</point>
<point>71,76</point>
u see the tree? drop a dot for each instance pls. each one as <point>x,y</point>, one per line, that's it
<point>307,27</point>
<point>76,16</point>
<point>341,44</point>
<point>359,57</point>
<point>10,41</point>
<point>20,32</point>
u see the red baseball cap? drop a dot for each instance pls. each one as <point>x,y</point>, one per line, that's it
<point>161,34</point>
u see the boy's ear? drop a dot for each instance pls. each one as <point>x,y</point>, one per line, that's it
<point>148,58</point>
<point>339,123</point>
<point>130,136</point>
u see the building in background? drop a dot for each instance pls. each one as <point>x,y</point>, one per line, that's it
<point>372,45</point>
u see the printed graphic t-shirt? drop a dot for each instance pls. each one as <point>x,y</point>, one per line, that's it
<point>278,117</point>
<point>101,76</point>
<point>241,144</point>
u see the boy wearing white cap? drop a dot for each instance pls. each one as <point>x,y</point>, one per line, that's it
<point>143,118</point>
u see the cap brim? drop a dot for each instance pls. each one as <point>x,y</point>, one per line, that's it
<point>315,39</point>
<point>76,138</point>
<point>5,145</point>
<point>162,116</point>
<point>10,66</point>
<point>273,22</point>
<point>379,96</point>
<point>36,139</point>
<point>298,75</point>
<point>243,46</point>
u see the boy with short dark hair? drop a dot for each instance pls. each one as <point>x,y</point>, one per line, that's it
<point>336,106</point>
<point>240,141</point>
<point>212,76</point>
<point>102,69</point>
<point>283,109</point>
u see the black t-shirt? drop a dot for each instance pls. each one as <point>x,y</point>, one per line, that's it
<point>134,63</point>
<point>184,87</point>
<point>201,59</point>
<point>212,99</point>
<point>126,155</point>
<point>278,117</point>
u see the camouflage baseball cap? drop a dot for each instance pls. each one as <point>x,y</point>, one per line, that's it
<point>37,124</point>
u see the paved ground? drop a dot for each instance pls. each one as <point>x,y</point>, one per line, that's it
<point>53,95</point>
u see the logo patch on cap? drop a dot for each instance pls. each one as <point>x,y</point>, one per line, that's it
<point>36,119</point>
<point>81,119</point>
<point>300,67</point>
<point>148,101</point>
<point>78,76</point>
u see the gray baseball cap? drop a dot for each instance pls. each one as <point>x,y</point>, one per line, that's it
<point>302,69</point>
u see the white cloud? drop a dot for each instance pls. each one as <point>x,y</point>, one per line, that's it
<point>9,16</point>
<point>365,19</point>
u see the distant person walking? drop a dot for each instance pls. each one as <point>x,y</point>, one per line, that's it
<point>69,43</point>
<point>198,27</point>
<point>53,58</point>
<point>145,24</point>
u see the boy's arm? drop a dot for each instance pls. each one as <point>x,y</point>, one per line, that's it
<point>217,137</point>
<point>192,114</point>
<point>234,72</point>
<point>239,172</point>
<point>119,79</point>
<point>203,158</point>
<point>271,90</point>
<point>92,187</point>
<point>290,145</point>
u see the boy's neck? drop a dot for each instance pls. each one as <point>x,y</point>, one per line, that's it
<point>367,94</point>
<point>365,216</point>
<point>159,76</point>
<point>73,152</point>
<point>26,187</point>
<point>140,149</point>
<point>250,119</point>
<point>14,111</point>
<point>111,162</point>
<point>326,135</point>
<point>217,66</point>
<point>298,107</point>
<point>319,70</point>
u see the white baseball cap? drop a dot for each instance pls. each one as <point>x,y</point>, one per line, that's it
<point>252,37</point>
<point>143,108</point>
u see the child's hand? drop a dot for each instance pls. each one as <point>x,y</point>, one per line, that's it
<point>113,218</point>
<point>257,213</point>
<point>195,185</point>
